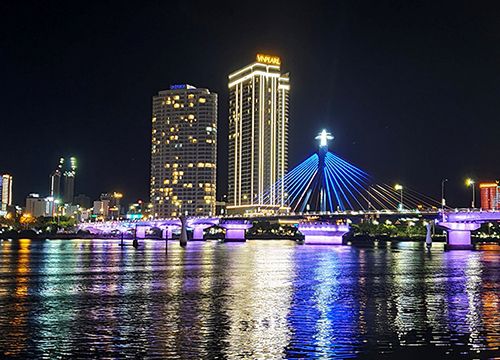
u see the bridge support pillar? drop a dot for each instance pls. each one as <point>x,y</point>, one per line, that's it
<point>235,229</point>
<point>323,233</point>
<point>166,233</point>
<point>198,231</point>
<point>459,237</point>
<point>140,232</point>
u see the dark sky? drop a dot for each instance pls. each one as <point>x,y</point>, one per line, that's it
<point>410,89</point>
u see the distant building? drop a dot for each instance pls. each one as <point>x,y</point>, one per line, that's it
<point>55,180</point>
<point>69,182</point>
<point>85,215</point>
<point>38,206</point>
<point>184,152</point>
<point>101,208</point>
<point>70,210</point>
<point>134,211</point>
<point>113,204</point>
<point>5,192</point>
<point>489,193</point>
<point>82,200</point>
<point>140,210</point>
<point>258,136</point>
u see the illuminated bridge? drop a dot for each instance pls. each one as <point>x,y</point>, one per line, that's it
<point>325,182</point>
<point>322,193</point>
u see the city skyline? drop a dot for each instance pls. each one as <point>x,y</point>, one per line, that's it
<point>205,180</point>
<point>400,104</point>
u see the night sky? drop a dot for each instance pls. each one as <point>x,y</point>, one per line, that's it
<point>410,89</point>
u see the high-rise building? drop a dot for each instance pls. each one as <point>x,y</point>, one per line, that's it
<point>490,196</point>
<point>55,180</point>
<point>69,182</point>
<point>184,152</point>
<point>258,136</point>
<point>6,192</point>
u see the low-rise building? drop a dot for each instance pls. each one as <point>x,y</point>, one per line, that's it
<point>489,194</point>
<point>38,206</point>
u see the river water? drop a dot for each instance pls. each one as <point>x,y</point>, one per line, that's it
<point>259,299</point>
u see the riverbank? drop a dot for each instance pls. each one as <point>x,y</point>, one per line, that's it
<point>357,240</point>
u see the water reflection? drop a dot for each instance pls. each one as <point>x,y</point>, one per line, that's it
<point>92,298</point>
<point>259,296</point>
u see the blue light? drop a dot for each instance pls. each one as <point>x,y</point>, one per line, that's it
<point>181,87</point>
<point>326,181</point>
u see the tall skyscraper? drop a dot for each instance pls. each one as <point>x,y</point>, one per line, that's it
<point>55,180</point>
<point>69,182</point>
<point>258,136</point>
<point>184,152</point>
<point>6,192</point>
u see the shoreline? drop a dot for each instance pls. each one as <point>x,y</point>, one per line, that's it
<point>353,239</point>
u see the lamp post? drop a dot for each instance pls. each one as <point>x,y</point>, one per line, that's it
<point>399,187</point>
<point>471,183</point>
<point>443,200</point>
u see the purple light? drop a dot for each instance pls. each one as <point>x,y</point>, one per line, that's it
<point>323,233</point>
<point>459,234</point>
<point>198,231</point>
<point>235,230</point>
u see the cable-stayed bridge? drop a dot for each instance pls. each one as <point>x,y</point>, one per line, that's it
<point>325,182</point>
<point>321,194</point>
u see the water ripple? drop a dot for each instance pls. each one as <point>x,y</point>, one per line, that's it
<point>257,300</point>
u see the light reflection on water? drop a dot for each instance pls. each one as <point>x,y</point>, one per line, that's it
<point>260,299</point>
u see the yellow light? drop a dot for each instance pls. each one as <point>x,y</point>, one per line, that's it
<point>488,185</point>
<point>469,182</point>
<point>398,187</point>
<point>268,59</point>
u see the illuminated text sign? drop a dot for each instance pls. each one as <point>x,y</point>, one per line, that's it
<point>268,59</point>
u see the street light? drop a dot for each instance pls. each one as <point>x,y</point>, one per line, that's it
<point>443,200</point>
<point>399,188</point>
<point>470,183</point>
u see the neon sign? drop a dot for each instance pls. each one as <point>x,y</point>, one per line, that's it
<point>268,59</point>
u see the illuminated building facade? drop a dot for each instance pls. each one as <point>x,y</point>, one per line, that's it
<point>258,136</point>
<point>37,206</point>
<point>109,205</point>
<point>6,192</point>
<point>55,180</point>
<point>489,193</point>
<point>184,152</point>
<point>69,182</point>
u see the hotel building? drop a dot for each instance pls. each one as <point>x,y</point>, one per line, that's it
<point>184,152</point>
<point>258,136</point>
